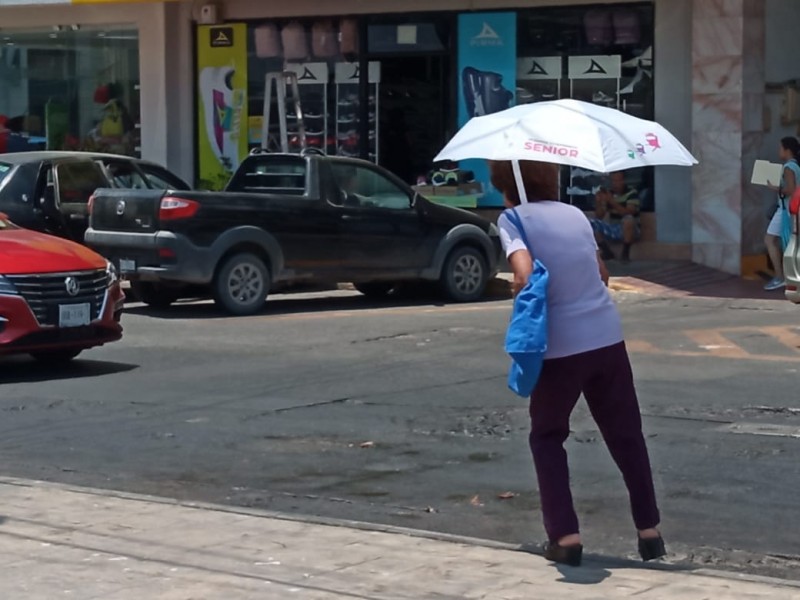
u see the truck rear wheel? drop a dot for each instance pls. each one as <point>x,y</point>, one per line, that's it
<point>465,275</point>
<point>154,294</point>
<point>242,284</point>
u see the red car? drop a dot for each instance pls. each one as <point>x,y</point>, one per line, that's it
<point>57,298</point>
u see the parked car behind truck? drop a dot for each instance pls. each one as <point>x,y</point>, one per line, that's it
<point>49,191</point>
<point>289,218</point>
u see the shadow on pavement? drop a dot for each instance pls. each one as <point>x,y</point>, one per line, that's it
<point>292,304</point>
<point>597,568</point>
<point>584,575</point>
<point>25,370</point>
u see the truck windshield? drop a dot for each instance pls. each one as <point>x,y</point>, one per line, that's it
<point>5,168</point>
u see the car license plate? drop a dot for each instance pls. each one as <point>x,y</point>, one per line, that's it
<point>127,265</point>
<point>74,315</point>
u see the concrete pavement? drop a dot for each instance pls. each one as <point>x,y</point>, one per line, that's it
<point>66,542</point>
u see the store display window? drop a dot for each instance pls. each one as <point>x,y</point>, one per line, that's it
<point>70,88</point>
<point>322,56</point>
<point>602,54</point>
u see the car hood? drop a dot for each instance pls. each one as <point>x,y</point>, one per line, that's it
<point>449,215</point>
<point>24,252</point>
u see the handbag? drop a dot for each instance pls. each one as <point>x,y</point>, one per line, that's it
<point>526,337</point>
<point>267,41</point>
<point>295,42</point>
<point>324,40</point>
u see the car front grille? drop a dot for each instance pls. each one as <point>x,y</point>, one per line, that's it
<point>45,293</point>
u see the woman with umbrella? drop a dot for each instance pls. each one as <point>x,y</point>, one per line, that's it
<point>548,241</point>
<point>585,354</point>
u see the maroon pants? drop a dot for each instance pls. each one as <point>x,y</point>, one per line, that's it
<point>605,378</point>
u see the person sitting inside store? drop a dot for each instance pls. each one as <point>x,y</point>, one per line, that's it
<point>616,217</point>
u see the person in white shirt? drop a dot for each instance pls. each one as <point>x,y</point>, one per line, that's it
<point>586,355</point>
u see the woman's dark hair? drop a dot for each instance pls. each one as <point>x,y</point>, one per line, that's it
<point>540,180</point>
<point>792,145</point>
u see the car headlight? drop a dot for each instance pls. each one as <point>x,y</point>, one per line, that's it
<point>7,288</point>
<point>111,273</point>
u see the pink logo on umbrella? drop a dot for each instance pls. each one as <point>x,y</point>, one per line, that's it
<point>653,141</point>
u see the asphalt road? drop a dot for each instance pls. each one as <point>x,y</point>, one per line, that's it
<point>328,405</point>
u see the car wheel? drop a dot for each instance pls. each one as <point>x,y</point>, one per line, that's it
<point>376,289</point>
<point>242,284</point>
<point>465,275</point>
<point>154,294</point>
<point>55,357</point>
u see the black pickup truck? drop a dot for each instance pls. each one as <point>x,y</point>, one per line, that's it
<point>291,218</point>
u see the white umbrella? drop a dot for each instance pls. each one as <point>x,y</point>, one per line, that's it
<point>568,132</point>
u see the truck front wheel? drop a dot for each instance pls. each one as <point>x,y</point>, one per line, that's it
<point>465,275</point>
<point>242,284</point>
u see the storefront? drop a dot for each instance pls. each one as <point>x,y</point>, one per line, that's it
<point>393,88</point>
<point>70,87</point>
<point>91,76</point>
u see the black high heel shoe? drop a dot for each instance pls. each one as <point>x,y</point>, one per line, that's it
<point>565,555</point>
<point>652,548</point>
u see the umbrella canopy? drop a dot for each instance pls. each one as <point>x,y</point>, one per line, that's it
<point>568,132</point>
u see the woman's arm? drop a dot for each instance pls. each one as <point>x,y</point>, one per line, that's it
<point>522,267</point>
<point>603,268</point>
<point>789,183</point>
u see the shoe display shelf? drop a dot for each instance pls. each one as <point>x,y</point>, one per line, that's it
<point>348,110</point>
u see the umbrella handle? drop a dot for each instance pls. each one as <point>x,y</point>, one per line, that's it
<point>523,195</point>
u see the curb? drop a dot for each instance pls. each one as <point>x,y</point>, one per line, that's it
<point>591,560</point>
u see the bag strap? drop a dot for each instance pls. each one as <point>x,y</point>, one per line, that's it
<point>513,216</point>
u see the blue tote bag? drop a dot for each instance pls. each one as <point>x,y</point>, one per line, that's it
<point>526,338</point>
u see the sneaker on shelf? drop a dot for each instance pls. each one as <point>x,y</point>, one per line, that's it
<point>603,98</point>
<point>524,95</point>
<point>346,119</point>
<point>577,191</point>
<point>346,135</point>
<point>631,88</point>
<point>776,283</point>
<point>314,116</point>
<point>346,153</point>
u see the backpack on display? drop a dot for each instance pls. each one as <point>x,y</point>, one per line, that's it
<point>348,36</point>
<point>324,42</point>
<point>295,42</point>
<point>627,28</point>
<point>267,41</point>
<point>598,27</point>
